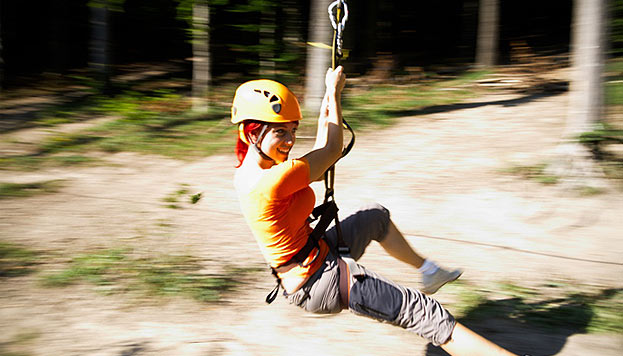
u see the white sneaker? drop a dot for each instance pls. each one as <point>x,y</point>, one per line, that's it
<point>432,282</point>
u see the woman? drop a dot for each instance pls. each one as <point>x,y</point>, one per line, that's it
<point>276,200</point>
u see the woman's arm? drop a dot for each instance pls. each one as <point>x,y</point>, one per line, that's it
<point>330,135</point>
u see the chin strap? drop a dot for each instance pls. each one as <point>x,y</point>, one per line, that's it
<point>257,143</point>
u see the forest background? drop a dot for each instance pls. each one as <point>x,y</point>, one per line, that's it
<point>117,221</point>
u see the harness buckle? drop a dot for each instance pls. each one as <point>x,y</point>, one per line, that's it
<point>312,260</point>
<point>343,250</point>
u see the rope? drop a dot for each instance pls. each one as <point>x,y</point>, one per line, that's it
<point>338,14</point>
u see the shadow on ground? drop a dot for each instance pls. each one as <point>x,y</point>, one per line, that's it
<point>540,327</point>
<point>67,94</point>
<point>549,89</point>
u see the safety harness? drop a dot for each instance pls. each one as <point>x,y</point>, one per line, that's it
<point>327,211</point>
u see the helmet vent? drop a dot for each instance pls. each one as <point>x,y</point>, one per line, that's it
<point>257,91</point>
<point>266,93</point>
<point>274,98</point>
<point>277,108</point>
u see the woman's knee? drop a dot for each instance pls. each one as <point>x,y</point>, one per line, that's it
<point>378,220</point>
<point>371,222</point>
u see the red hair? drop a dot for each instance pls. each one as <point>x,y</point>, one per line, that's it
<point>241,147</point>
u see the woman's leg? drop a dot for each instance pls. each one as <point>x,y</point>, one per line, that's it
<point>374,223</point>
<point>396,245</point>
<point>433,277</point>
<point>465,342</point>
<point>369,294</point>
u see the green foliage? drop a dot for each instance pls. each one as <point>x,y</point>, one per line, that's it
<point>65,141</point>
<point>113,5</point>
<point>56,118</point>
<point>71,160</point>
<point>116,270</point>
<point>158,122</point>
<point>382,104</point>
<point>194,199</point>
<point>184,8</point>
<point>21,162</point>
<point>535,172</point>
<point>614,88</point>
<point>602,135</point>
<point>598,141</point>
<point>20,190</point>
<point>37,162</point>
<point>98,268</point>
<point>270,38</point>
<point>553,306</point>
<point>15,260</point>
<point>173,199</point>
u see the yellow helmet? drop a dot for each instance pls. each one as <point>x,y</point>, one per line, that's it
<point>264,100</point>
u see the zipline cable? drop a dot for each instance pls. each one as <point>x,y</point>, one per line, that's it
<point>408,234</point>
<point>514,249</point>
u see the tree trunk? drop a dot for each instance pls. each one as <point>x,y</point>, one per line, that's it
<point>488,33</point>
<point>289,35</point>
<point>1,58</point>
<point>99,46</point>
<point>575,163</point>
<point>587,61</point>
<point>267,40</point>
<point>201,56</point>
<point>318,59</point>
<point>469,22</point>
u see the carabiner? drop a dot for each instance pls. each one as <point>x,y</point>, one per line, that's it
<point>332,17</point>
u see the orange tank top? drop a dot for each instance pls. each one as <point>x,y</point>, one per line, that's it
<point>276,209</point>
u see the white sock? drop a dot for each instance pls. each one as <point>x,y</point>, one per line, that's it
<point>428,267</point>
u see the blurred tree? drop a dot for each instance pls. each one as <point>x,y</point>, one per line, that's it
<point>488,33</point>
<point>1,56</point>
<point>616,29</point>
<point>271,31</point>
<point>99,46</point>
<point>201,56</point>
<point>267,48</point>
<point>585,106</point>
<point>197,14</point>
<point>57,30</point>
<point>318,59</point>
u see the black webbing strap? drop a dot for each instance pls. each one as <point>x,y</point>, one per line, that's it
<point>273,293</point>
<point>326,212</point>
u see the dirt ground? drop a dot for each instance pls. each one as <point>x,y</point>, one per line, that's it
<point>440,174</point>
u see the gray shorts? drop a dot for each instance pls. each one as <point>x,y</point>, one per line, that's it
<point>372,295</point>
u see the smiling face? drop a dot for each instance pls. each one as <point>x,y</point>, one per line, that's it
<point>279,139</point>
